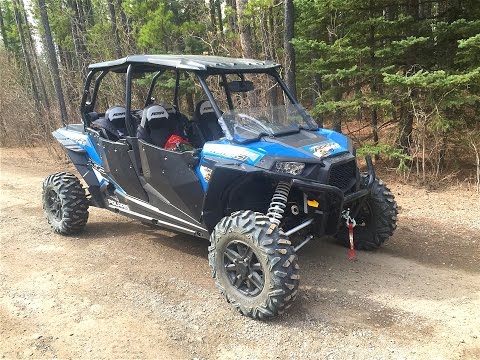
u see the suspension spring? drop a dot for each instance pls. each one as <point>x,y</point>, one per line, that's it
<point>279,202</point>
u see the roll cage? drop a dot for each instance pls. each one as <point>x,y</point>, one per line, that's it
<point>201,66</point>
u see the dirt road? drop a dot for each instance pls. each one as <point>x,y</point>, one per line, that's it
<point>123,290</point>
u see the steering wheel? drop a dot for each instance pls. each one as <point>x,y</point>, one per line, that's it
<point>259,123</point>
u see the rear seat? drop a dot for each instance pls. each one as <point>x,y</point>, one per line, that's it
<point>180,119</point>
<point>156,125</point>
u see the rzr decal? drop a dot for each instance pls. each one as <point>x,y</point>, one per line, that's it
<point>324,149</point>
<point>231,152</point>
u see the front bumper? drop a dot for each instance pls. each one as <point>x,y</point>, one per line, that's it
<point>335,199</point>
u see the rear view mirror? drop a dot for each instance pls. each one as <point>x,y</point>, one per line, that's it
<point>240,86</point>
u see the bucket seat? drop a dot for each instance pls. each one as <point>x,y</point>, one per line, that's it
<point>207,121</point>
<point>112,126</point>
<point>156,125</point>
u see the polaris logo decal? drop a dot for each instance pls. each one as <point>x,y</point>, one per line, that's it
<point>117,204</point>
<point>96,167</point>
<point>324,149</point>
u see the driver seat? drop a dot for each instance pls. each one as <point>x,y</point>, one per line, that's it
<point>207,121</point>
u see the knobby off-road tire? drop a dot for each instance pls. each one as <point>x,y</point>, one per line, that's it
<point>376,221</point>
<point>65,203</point>
<point>270,250</point>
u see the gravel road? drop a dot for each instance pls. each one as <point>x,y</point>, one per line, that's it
<point>124,290</point>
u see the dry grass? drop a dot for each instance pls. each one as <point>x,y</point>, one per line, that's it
<point>22,122</point>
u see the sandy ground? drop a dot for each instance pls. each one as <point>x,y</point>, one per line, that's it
<point>123,290</point>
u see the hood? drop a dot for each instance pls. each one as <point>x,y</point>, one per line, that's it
<point>314,145</point>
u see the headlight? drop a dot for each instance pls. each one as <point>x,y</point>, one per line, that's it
<point>290,167</point>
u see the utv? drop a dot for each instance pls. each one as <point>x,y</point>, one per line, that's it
<point>247,169</point>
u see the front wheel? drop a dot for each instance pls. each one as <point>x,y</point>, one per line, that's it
<point>64,203</point>
<point>376,220</point>
<point>253,264</point>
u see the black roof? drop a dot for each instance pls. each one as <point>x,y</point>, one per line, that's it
<point>185,62</point>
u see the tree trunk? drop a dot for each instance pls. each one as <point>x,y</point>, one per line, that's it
<point>218,7</point>
<point>265,38</point>
<point>337,115</point>
<point>52,57</point>
<point>245,30</point>
<point>373,81</point>
<point>271,25</point>
<point>232,19</point>
<point>88,11</point>
<point>288,46</point>
<point>3,32</point>
<point>78,32</point>
<point>36,63</point>
<point>113,23</point>
<point>405,128</point>
<point>212,15</point>
<point>318,86</point>
<point>125,26</point>
<point>26,55</point>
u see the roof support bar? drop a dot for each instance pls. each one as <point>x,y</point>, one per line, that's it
<point>98,80</point>
<point>148,100</point>
<point>128,101</point>
<point>83,103</point>
<point>177,89</point>
<point>227,92</point>
<point>292,99</point>
<point>215,107</point>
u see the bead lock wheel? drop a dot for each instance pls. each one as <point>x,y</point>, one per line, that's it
<point>254,264</point>
<point>54,205</point>
<point>243,268</point>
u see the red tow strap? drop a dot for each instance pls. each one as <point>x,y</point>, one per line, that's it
<point>351,254</point>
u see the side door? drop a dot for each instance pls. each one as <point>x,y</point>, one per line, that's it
<point>172,183</point>
<point>117,163</point>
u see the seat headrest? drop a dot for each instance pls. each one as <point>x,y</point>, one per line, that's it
<point>154,115</point>
<point>204,107</point>
<point>171,110</point>
<point>116,115</point>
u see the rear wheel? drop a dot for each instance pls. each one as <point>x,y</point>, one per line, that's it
<point>64,203</point>
<point>376,220</point>
<point>253,264</point>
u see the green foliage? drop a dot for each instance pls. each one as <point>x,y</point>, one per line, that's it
<point>380,61</point>
<point>412,65</point>
<point>386,151</point>
<point>11,31</point>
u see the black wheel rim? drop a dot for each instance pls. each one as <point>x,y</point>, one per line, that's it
<point>54,205</point>
<point>243,268</point>
<point>365,216</point>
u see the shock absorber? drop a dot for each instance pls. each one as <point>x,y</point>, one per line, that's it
<point>279,202</point>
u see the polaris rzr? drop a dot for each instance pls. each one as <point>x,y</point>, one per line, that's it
<point>247,168</point>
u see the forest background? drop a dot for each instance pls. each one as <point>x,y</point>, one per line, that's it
<point>402,78</point>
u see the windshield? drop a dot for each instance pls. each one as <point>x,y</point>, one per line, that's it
<point>255,105</point>
<point>249,124</point>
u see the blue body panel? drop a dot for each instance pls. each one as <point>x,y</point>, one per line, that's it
<point>330,143</point>
<point>81,139</point>
<point>77,141</point>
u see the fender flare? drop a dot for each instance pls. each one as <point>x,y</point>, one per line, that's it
<point>224,178</point>
<point>79,158</point>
